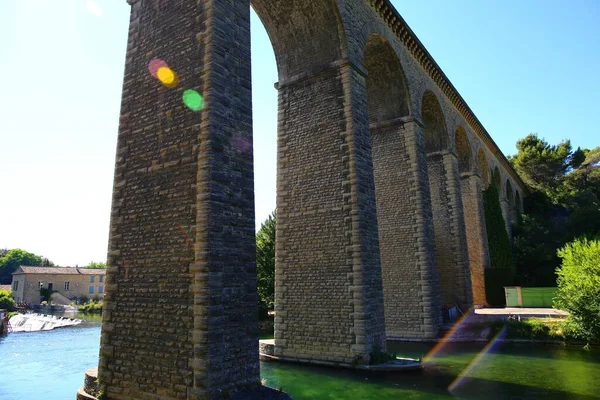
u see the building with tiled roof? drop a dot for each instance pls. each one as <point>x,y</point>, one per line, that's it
<point>69,282</point>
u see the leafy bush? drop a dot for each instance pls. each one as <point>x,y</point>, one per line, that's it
<point>91,307</point>
<point>579,287</point>
<point>6,301</point>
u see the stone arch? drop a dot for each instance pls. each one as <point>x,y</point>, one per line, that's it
<point>509,208</point>
<point>395,187</point>
<point>463,150</point>
<point>436,134</point>
<point>484,169</point>
<point>447,207</point>
<point>387,91</point>
<point>509,194</point>
<point>497,181</point>
<point>316,129</point>
<point>294,27</point>
<point>518,202</point>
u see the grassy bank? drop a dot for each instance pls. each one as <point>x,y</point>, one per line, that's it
<point>538,329</point>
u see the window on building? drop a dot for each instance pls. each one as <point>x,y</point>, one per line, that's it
<point>91,291</point>
<point>92,279</point>
<point>15,286</point>
<point>101,278</point>
<point>67,284</point>
<point>41,285</point>
<point>100,289</point>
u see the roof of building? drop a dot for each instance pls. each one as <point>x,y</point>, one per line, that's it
<point>6,287</point>
<point>59,270</point>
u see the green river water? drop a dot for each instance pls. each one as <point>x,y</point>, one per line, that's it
<point>50,366</point>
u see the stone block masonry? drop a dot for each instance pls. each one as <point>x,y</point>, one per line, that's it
<point>180,314</point>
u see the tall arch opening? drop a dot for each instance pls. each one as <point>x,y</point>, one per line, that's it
<point>463,150</point>
<point>395,187</point>
<point>319,150</point>
<point>436,134</point>
<point>447,206</point>
<point>510,208</point>
<point>497,181</point>
<point>518,204</point>
<point>483,169</point>
<point>474,216</point>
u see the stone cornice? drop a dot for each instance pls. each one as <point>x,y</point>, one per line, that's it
<point>397,24</point>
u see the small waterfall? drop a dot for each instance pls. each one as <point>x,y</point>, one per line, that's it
<point>40,322</point>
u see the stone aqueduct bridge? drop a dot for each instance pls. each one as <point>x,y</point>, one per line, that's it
<point>381,165</point>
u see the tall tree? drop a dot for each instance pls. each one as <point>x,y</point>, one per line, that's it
<point>13,259</point>
<point>543,166</point>
<point>265,264</point>
<point>564,204</point>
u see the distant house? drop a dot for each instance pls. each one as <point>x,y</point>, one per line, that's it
<point>8,288</point>
<point>70,282</point>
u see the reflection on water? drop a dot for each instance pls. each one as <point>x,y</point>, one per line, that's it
<point>50,365</point>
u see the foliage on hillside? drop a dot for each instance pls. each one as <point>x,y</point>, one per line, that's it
<point>564,204</point>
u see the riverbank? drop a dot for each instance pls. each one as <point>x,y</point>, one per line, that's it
<point>552,329</point>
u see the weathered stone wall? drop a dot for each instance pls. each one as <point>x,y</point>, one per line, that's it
<point>328,285</point>
<point>410,276</point>
<point>180,315</point>
<point>479,258</point>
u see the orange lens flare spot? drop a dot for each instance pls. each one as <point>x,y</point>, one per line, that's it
<point>167,77</point>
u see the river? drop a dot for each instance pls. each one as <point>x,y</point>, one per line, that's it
<point>50,366</point>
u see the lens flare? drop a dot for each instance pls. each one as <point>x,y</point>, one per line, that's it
<point>440,345</point>
<point>167,77</point>
<point>193,100</point>
<point>459,379</point>
<point>154,65</point>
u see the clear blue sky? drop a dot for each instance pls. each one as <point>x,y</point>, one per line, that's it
<point>522,66</point>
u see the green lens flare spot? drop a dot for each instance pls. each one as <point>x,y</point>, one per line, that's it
<point>193,100</point>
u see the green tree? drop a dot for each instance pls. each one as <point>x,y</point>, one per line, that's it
<point>563,204</point>
<point>96,265</point>
<point>13,259</point>
<point>6,301</point>
<point>265,264</point>
<point>543,166</point>
<point>579,286</point>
